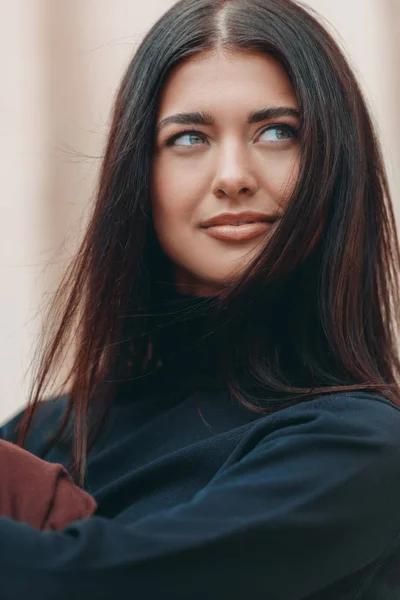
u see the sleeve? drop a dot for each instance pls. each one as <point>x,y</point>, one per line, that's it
<point>8,429</point>
<point>310,501</point>
<point>44,424</point>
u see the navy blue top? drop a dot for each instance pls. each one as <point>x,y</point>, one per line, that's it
<point>200,498</point>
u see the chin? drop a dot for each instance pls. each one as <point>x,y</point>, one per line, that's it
<point>206,283</point>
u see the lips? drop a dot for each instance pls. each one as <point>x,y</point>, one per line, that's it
<point>238,219</point>
<point>240,226</point>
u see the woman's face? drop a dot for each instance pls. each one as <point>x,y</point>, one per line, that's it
<point>225,163</point>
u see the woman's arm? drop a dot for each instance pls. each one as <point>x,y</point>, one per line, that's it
<point>316,501</point>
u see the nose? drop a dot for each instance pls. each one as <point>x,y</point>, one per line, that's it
<point>234,176</point>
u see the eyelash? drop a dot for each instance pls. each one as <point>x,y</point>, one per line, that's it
<point>172,139</point>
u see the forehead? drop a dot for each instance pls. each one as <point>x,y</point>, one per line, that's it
<point>227,81</point>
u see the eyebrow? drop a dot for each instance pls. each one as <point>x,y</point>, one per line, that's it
<point>204,118</point>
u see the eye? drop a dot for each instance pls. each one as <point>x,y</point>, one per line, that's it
<point>186,138</point>
<point>278,133</point>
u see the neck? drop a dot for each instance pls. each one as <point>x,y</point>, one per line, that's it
<point>180,325</point>
<point>187,285</point>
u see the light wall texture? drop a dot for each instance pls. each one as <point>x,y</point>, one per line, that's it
<point>61,62</point>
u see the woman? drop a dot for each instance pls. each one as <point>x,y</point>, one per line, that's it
<point>233,402</point>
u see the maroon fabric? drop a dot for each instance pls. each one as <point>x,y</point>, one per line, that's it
<point>38,492</point>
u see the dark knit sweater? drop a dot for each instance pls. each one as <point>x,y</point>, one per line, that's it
<point>199,498</point>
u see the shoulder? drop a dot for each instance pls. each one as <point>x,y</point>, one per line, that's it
<point>358,413</point>
<point>45,422</point>
<point>360,423</point>
<point>338,455</point>
<point>350,440</point>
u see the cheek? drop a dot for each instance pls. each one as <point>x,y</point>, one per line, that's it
<point>176,193</point>
<point>280,176</point>
<point>173,208</point>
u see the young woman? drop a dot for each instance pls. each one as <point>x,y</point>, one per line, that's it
<point>233,401</point>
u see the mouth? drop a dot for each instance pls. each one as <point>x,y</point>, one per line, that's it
<point>239,227</point>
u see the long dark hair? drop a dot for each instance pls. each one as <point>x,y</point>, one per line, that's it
<point>311,321</point>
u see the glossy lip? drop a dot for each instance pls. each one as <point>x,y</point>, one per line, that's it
<point>252,224</point>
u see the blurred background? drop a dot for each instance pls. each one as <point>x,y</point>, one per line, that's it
<point>61,62</point>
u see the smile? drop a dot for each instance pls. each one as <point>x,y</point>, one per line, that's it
<point>239,231</point>
<point>239,227</point>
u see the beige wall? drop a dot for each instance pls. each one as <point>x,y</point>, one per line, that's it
<point>61,61</point>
